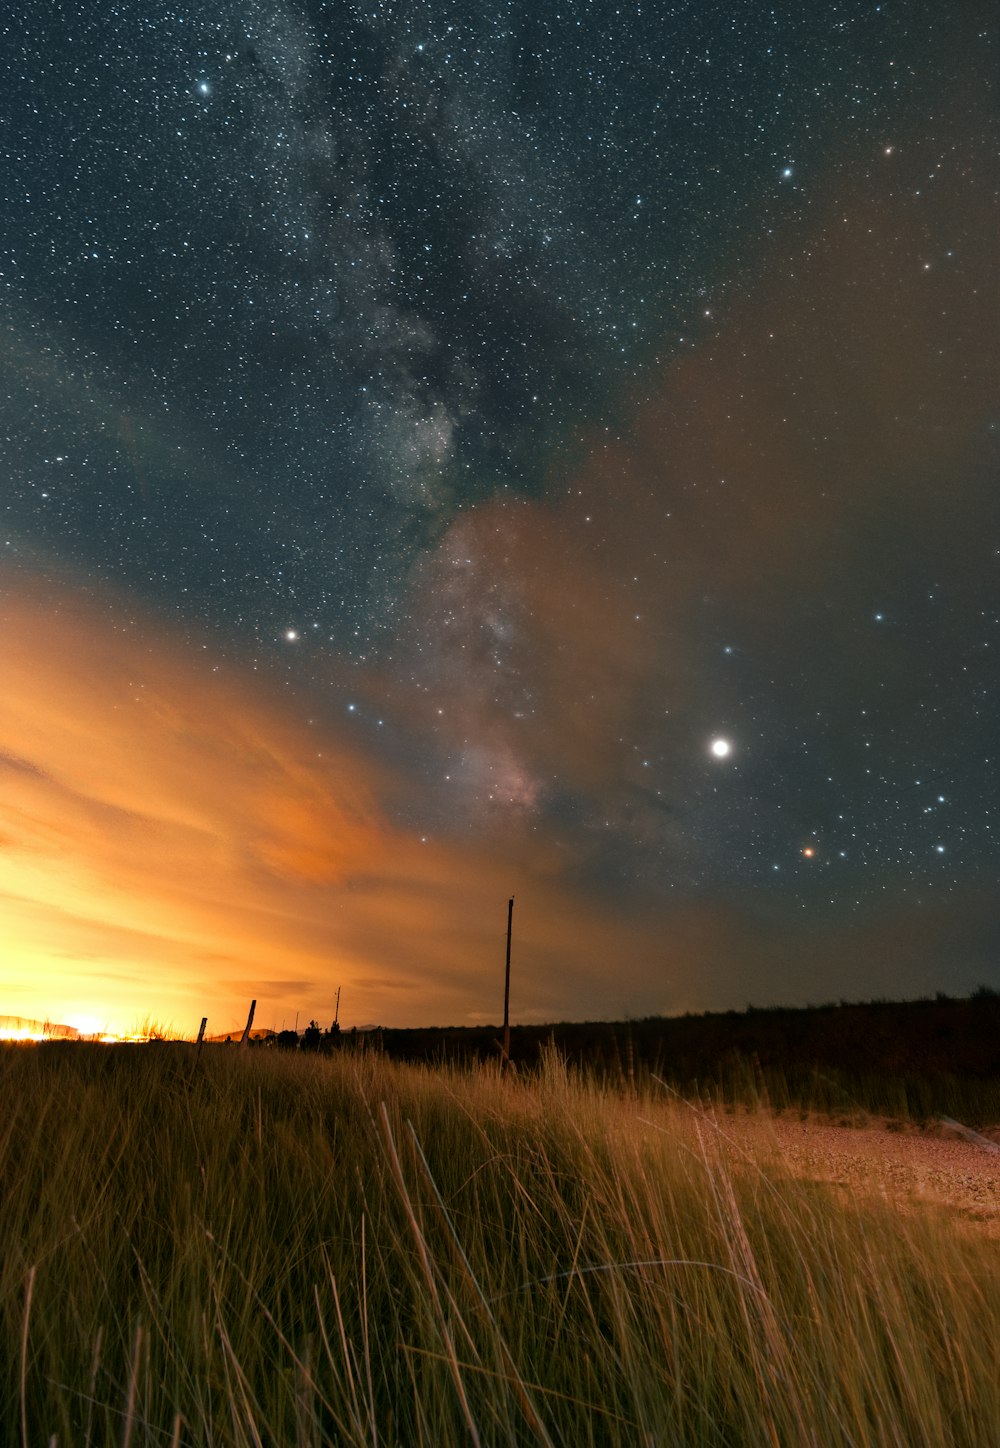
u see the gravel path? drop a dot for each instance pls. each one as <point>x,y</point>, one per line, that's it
<point>948,1167</point>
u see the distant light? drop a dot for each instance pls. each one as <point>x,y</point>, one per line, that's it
<point>787,173</point>
<point>809,852</point>
<point>291,635</point>
<point>87,1025</point>
<point>720,748</point>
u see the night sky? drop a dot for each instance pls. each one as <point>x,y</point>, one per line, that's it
<point>455,450</point>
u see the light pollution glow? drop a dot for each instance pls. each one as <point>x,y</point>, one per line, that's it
<point>174,839</point>
<point>173,843</point>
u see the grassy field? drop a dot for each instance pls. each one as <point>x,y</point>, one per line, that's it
<point>914,1060</point>
<point>258,1249</point>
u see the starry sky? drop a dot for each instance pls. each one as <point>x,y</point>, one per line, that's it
<point>458,450</point>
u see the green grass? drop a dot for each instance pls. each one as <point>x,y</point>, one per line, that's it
<point>258,1250</point>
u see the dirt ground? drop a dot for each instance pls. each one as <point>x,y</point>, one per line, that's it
<point>947,1166</point>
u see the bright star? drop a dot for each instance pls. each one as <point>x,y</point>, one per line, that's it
<point>720,748</point>
<point>291,635</point>
<point>204,89</point>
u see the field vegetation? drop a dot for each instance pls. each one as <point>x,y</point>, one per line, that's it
<point>266,1248</point>
<point>912,1060</point>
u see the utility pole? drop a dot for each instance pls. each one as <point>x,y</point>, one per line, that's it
<point>506,987</point>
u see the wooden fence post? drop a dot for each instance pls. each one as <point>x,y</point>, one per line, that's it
<point>245,1038</point>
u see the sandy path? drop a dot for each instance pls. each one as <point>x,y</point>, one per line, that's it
<point>906,1168</point>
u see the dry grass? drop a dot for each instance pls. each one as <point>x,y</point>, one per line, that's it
<point>264,1250</point>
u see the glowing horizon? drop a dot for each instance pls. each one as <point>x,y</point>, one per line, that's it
<point>176,842</point>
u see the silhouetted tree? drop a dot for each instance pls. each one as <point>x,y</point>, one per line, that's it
<point>312,1037</point>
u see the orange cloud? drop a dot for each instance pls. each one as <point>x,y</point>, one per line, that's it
<point>174,839</point>
<point>156,811</point>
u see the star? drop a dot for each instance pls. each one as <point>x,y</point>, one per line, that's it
<point>721,748</point>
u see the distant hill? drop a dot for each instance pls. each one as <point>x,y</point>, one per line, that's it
<point>23,1028</point>
<point>259,1033</point>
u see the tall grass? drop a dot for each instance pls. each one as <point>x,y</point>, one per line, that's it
<point>258,1250</point>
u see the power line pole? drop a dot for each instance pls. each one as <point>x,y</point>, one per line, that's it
<point>506,986</point>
